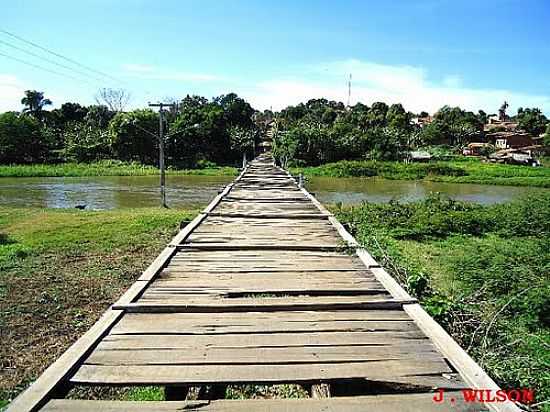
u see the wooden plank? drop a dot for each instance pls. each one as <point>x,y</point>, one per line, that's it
<point>177,323</point>
<point>260,356</point>
<point>218,246</point>
<point>258,340</point>
<point>275,373</point>
<point>271,215</point>
<point>302,290</point>
<point>264,304</point>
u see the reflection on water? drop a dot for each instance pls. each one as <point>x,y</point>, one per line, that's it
<point>357,190</point>
<point>185,191</point>
<point>110,192</point>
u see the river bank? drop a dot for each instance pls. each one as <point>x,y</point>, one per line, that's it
<point>481,271</point>
<point>107,168</point>
<point>456,171</point>
<point>59,270</point>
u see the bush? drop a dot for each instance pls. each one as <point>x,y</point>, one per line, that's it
<point>23,139</point>
<point>481,271</point>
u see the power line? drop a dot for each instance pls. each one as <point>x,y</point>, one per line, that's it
<point>36,66</point>
<point>50,61</point>
<point>60,56</point>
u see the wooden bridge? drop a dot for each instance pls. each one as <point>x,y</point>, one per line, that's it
<point>265,287</point>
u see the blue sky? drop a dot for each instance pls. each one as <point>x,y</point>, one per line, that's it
<point>424,53</point>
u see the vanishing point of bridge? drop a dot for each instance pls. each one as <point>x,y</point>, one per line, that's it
<point>265,287</point>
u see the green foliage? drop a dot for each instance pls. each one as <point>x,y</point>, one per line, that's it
<point>532,121</point>
<point>459,171</point>
<point>454,126</point>
<point>198,131</point>
<point>201,130</point>
<point>242,140</point>
<point>34,103</point>
<point>145,393</point>
<point>108,168</point>
<point>133,136</point>
<point>481,271</point>
<point>322,131</point>
<point>84,143</point>
<point>23,139</point>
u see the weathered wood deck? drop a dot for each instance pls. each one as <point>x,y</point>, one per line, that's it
<point>265,287</point>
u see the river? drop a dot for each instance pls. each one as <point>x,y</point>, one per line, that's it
<point>115,192</point>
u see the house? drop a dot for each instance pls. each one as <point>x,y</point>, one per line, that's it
<point>510,140</point>
<point>522,156</point>
<point>493,124</point>
<point>475,149</point>
<point>420,156</point>
<point>422,121</point>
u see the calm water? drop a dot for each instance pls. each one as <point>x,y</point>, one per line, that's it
<point>142,191</point>
<point>356,190</point>
<point>110,192</point>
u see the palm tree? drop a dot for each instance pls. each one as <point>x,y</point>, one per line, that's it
<point>34,103</point>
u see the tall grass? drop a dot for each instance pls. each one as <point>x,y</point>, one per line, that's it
<point>104,168</point>
<point>445,171</point>
<point>481,271</point>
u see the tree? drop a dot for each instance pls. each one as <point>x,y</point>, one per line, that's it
<point>454,126</point>
<point>284,147</point>
<point>533,121</point>
<point>98,116</point>
<point>242,140</point>
<point>133,136</point>
<point>85,143</point>
<point>115,99</point>
<point>34,103</point>
<point>23,139</point>
<point>397,118</point>
<point>237,111</point>
<point>72,112</point>
<point>68,112</point>
<point>376,116</point>
<point>200,132</point>
<point>482,117</point>
<point>546,140</point>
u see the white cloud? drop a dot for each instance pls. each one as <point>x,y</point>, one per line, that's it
<point>391,84</point>
<point>11,92</point>
<point>452,81</point>
<point>144,71</point>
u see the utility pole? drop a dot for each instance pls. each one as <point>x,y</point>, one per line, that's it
<point>349,91</point>
<point>161,107</point>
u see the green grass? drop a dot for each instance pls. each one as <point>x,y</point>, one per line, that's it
<point>456,171</point>
<point>59,270</point>
<point>105,168</point>
<point>481,271</point>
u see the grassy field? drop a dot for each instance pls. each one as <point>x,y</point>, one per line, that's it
<point>59,270</point>
<point>481,271</point>
<point>104,168</point>
<point>462,171</point>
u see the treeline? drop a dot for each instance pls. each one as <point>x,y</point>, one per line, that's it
<point>202,131</point>
<point>322,131</point>
<point>199,132</point>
